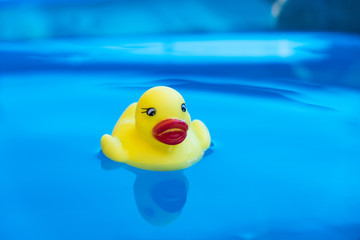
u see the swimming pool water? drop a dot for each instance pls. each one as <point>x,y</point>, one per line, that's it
<point>283,111</point>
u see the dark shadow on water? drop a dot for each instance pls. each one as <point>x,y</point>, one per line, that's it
<point>210,150</point>
<point>108,164</point>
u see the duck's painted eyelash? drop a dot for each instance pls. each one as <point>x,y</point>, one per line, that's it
<point>149,111</point>
<point>145,110</point>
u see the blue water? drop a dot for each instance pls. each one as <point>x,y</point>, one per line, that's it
<point>283,111</point>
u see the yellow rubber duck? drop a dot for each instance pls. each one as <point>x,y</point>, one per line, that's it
<point>156,133</point>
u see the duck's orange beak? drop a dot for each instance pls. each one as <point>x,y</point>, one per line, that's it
<point>170,131</point>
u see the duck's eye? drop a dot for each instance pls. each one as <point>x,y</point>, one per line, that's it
<point>183,107</point>
<point>151,111</point>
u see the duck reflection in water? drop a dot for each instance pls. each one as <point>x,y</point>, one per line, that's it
<point>159,196</point>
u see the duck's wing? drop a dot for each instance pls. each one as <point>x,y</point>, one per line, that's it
<point>202,133</point>
<point>128,117</point>
<point>113,149</point>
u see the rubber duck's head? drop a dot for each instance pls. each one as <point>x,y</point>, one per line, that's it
<point>161,117</point>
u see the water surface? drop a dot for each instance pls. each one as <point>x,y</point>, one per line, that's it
<point>283,113</point>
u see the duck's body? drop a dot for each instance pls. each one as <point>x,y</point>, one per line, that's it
<point>165,141</point>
